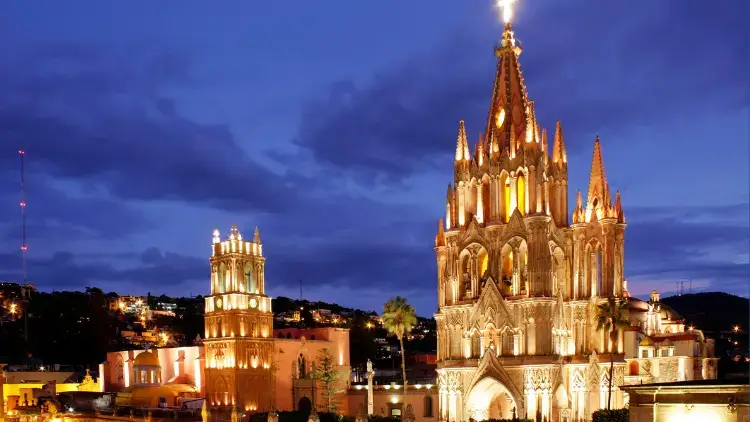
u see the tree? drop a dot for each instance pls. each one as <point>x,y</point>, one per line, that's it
<point>399,318</point>
<point>612,316</point>
<point>328,376</point>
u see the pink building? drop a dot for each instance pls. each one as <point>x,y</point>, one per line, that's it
<point>182,369</point>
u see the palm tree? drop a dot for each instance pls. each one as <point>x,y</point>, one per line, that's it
<point>612,316</point>
<point>398,319</point>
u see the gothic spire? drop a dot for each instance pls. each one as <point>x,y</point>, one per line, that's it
<point>440,238</point>
<point>462,143</point>
<point>559,153</point>
<point>598,196</point>
<point>256,236</point>
<point>618,208</point>
<point>509,112</point>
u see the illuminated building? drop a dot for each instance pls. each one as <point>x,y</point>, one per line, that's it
<point>243,363</point>
<point>239,327</point>
<point>697,401</point>
<point>519,283</point>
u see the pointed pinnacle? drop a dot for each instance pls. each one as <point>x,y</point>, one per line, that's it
<point>462,143</point>
<point>440,238</point>
<point>559,154</point>
<point>545,144</point>
<point>256,236</point>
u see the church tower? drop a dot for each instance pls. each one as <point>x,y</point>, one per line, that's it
<point>239,327</point>
<point>519,284</point>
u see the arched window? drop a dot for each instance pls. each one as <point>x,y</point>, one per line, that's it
<point>455,344</point>
<point>476,345</point>
<point>223,279</point>
<point>507,343</point>
<point>427,406</point>
<point>521,193</point>
<point>634,368</point>
<point>482,263</point>
<point>505,186</point>
<point>250,281</point>
<point>507,269</point>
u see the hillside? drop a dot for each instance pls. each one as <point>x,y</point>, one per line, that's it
<point>712,311</point>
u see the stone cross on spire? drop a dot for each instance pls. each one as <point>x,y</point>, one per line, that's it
<point>505,6</point>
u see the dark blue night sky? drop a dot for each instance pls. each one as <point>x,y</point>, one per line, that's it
<point>332,124</point>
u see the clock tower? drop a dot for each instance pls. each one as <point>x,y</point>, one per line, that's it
<point>239,327</point>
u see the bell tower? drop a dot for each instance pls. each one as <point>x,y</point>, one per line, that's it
<point>239,327</point>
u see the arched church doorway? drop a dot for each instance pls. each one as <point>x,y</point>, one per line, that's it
<point>304,406</point>
<point>490,399</point>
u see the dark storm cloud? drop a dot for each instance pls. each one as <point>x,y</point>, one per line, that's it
<point>54,215</point>
<point>689,243</point>
<point>595,68</point>
<point>152,269</point>
<point>101,119</point>
<point>350,242</point>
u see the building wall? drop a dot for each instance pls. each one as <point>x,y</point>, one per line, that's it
<point>188,363</point>
<point>687,403</point>
<point>287,360</point>
<point>385,400</point>
<point>25,391</point>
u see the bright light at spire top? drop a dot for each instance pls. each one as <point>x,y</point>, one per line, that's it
<point>505,5</point>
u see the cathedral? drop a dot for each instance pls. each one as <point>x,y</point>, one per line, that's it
<point>519,282</point>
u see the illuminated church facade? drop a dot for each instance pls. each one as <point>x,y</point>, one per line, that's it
<point>519,282</point>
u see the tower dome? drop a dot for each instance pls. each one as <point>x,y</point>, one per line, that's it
<point>146,358</point>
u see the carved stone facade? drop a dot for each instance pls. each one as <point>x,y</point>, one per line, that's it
<point>239,347</point>
<point>518,284</point>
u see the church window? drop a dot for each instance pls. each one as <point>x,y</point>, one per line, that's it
<point>476,345</point>
<point>506,197</point>
<point>521,195</point>
<point>223,279</point>
<point>507,269</point>
<point>507,343</point>
<point>482,263</point>
<point>455,344</point>
<point>634,369</point>
<point>250,281</point>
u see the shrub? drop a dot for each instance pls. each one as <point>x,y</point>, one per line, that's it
<point>378,418</point>
<point>615,415</point>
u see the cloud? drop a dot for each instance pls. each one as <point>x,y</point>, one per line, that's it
<point>86,116</point>
<point>54,215</point>
<point>689,243</point>
<point>152,268</point>
<point>606,69</point>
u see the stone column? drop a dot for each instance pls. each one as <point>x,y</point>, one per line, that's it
<point>531,192</point>
<point>501,200</point>
<point>370,376</point>
<point>480,209</point>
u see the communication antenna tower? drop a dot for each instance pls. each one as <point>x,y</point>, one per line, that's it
<point>24,247</point>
